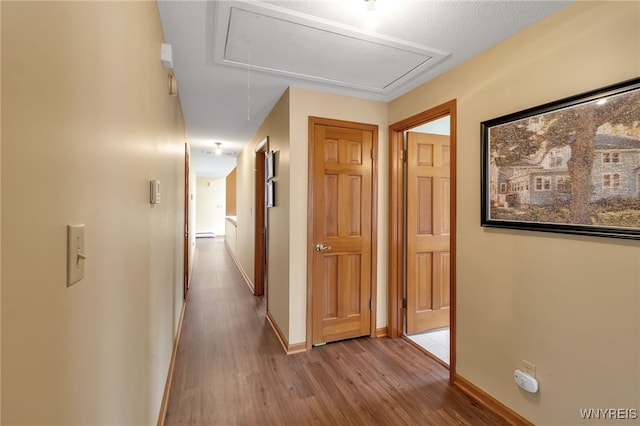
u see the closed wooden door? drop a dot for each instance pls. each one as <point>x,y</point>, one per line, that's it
<point>428,231</point>
<point>341,242</point>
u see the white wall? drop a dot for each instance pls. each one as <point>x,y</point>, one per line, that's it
<point>231,237</point>
<point>86,124</point>
<point>210,205</point>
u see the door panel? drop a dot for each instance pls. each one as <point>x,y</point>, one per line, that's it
<point>428,232</point>
<point>342,223</point>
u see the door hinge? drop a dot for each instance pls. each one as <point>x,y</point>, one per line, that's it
<point>369,304</point>
<point>373,154</point>
<point>404,303</point>
<point>403,155</point>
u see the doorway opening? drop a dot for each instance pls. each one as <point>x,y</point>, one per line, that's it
<point>422,231</point>
<point>426,289</point>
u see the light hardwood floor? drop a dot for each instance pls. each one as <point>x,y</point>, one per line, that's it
<point>231,370</point>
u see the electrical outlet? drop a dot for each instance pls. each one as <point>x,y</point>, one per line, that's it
<point>528,368</point>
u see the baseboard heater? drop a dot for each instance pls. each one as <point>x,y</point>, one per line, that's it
<point>205,234</point>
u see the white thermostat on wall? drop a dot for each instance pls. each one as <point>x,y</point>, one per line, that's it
<point>155,191</point>
<point>166,55</point>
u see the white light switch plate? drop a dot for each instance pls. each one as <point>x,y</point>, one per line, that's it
<point>75,248</point>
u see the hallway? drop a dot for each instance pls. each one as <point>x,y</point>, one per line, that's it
<point>231,370</point>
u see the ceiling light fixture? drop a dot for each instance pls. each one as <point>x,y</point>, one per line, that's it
<point>218,150</point>
<point>370,15</point>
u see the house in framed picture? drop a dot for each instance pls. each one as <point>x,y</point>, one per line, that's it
<point>616,168</point>
<point>545,179</point>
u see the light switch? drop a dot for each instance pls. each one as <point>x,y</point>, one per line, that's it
<point>154,186</point>
<point>75,254</point>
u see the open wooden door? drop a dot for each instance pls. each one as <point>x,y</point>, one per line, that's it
<point>260,247</point>
<point>187,200</point>
<point>341,221</point>
<point>428,232</point>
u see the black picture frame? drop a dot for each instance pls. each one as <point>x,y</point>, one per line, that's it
<point>569,166</point>
<point>270,166</point>
<point>270,198</point>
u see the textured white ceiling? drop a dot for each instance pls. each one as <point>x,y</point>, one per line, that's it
<point>227,103</point>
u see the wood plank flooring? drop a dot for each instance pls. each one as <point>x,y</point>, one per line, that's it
<point>231,370</point>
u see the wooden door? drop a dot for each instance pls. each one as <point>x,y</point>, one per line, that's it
<point>428,231</point>
<point>260,249</point>
<point>341,219</point>
<point>187,242</point>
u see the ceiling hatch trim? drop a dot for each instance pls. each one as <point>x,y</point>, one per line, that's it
<point>279,41</point>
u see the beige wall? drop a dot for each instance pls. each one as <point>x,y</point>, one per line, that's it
<point>278,217</point>
<point>86,124</point>
<point>230,192</point>
<point>305,103</point>
<point>0,221</point>
<point>245,210</point>
<point>287,128</point>
<point>276,127</point>
<point>193,183</point>
<point>570,305</point>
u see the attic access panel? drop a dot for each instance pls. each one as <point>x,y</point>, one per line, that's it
<point>278,41</point>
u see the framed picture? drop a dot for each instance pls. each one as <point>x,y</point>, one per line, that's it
<point>270,167</point>
<point>271,194</point>
<point>570,166</point>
